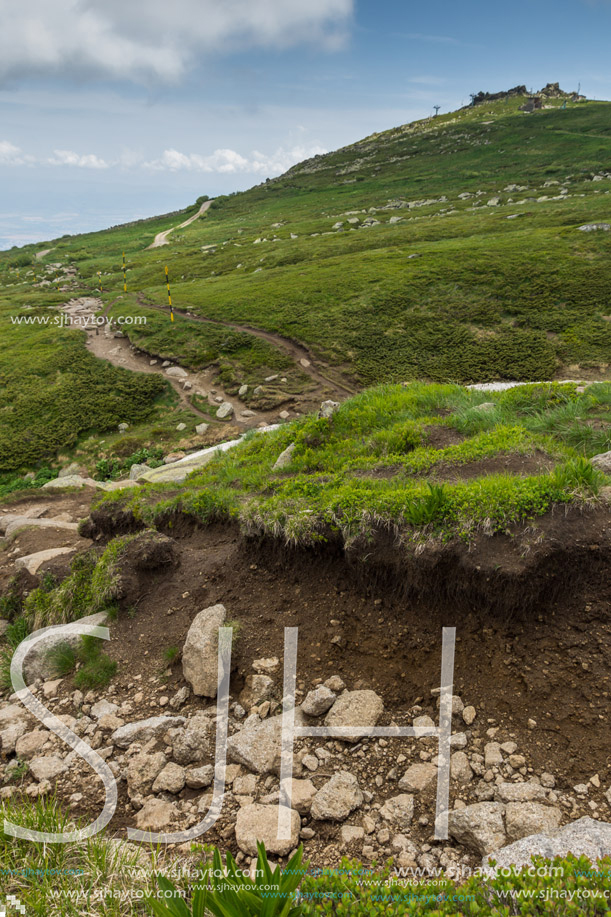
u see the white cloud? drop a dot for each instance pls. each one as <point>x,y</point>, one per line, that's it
<point>222,161</point>
<point>153,39</point>
<point>11,155</point>
<point>70,158</point>
<point>226,161</point>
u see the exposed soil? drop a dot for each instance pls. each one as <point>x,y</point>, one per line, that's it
<point>531,612</point>
<point>509,463</point>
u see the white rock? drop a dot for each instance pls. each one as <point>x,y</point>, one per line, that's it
<point>200,651</point>
<point>145,730</point>
<point>170,780</point>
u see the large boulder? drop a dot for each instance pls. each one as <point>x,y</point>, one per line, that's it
<point>585,837</point>
<point>340,796</point>
<point>479,827</point>
<point>260,823</point>
<point>200,652</point>
<point>355,708</point>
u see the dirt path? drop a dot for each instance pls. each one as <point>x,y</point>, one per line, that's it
<point>103,343</point>
<point>297,352</point>
<point>162,237</point>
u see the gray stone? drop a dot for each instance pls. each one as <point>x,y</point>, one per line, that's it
<point>136,470</point>
<point>585,837</point>
<point>123,427</point>
<point>71,480</point>
<point>72,468</point>
<point>102,708</point>
<point>192,744</point>
<point>47,767</point>
<point>145,730</point>
<point>225,410</point>
<point>242,390</point>
<point>355,708</point>
<point>460,769</point>
<point>37,663</point>
<point>284,458</point>
<point>181,426</point>
<point>318,701</point>
<point>258,744</point>
<point>479,827</point>
<point>260,823</point>
<point>602,461</point>
<point>468,715</point>
<point>595,227</point>
<point>201,428</point>
<point>303,793</point>
<point>337,798</point>
<point>200,652</point>
<point>142,771</point>
<point>32,562</point>
<point>399,810</point>
<point>524,818</point>
<point>177,372</point>
<point>493,756</point>
<point>520,792</point>
<point>258,688</point>
<point>198,778</point>
<point>170,780</point>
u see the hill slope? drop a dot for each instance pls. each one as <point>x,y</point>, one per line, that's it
<point>445,250</point>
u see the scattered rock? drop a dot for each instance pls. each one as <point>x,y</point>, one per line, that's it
<point>47,767</point>
<point>170,780</point>
<point>200,652</point>
<point>417,777</point>
<point>145,730</point>
<point>225,410</point>
<point>337,798</point>
<point>595,227</point>
<point>602,461</point>
<point>142,771</point>
<point>318,701</point>
<point>284,458</point>
<point>355,708</point>
<point>201,428</point>
<point>198,778</point>
<point>479,827</point>
<point>524,818</point>
<point>260,823</point>
<point>399,810</point>
<point>585,837</point>
<point>155,815</point>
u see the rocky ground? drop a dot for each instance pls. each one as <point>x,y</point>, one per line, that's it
<point>529,745</point>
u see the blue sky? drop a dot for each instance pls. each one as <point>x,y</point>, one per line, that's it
<point>117,109</point>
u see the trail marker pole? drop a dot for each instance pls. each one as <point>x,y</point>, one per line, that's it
<point>167,283</point>
<point>100,281</point>
<point>124,275</point>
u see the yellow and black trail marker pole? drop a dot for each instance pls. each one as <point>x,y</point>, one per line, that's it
<point>100,281</point>
<point>167,283</point>
<point>124,275</point>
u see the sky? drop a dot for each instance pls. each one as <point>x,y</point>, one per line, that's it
<point>112,110</point>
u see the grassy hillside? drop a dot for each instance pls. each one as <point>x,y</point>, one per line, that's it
<point>423,461</point>
<point>446,250</point>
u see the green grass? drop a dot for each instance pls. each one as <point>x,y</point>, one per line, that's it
<point>487,297</point>
<point>420,460</point>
